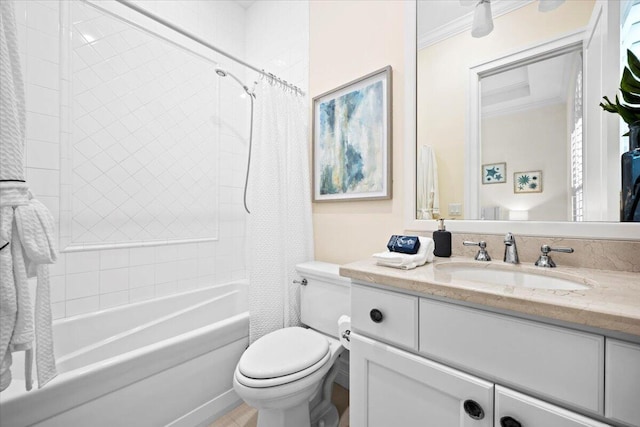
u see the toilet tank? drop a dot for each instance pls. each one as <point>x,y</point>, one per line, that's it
<point>325,298</point>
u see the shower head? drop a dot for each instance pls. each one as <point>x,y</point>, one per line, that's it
<point>224,73</point>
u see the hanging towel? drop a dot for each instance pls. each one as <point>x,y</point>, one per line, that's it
<point>26,229</point>
<point>407,261</point>
<point>428,200</point>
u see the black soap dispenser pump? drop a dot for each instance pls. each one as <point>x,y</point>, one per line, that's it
<point>442,240</point>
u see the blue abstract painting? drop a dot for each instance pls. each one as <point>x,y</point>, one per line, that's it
<point>351,143</point>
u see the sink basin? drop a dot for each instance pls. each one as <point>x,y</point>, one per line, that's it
<point>508,275</point>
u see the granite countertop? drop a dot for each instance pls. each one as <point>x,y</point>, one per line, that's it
<point>611,300</point>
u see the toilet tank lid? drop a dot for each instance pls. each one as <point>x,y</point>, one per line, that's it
<point>322,269</point>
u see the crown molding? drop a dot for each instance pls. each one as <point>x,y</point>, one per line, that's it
<point>463,23</point>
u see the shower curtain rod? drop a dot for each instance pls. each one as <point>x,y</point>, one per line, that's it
<point>271,77</point>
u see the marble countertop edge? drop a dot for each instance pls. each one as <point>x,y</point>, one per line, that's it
<point>611,302</point>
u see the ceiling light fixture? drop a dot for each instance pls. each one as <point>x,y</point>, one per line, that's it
<point>549,5</point>
<point>482,19</point>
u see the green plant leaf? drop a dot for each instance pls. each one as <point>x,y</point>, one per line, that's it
<point>630,98</point>
<point>629,83</point>
<point>633,62</point>
<point>628,114</point>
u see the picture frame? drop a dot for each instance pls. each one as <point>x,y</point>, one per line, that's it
<point>352,140</point>
<point>527,182</point>
<point>494,173</point>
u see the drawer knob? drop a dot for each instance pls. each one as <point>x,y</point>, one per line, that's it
<point>509,422</point>
<point>473,409</point>
<point>376,315</point>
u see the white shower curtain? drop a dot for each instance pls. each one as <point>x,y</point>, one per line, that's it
<point>280,226</point>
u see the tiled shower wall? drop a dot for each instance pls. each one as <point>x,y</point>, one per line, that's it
<point>89,279</point>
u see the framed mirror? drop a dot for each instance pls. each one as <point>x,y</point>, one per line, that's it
<point>480,108</point>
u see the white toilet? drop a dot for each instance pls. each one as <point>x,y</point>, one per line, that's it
<point>288,374</point>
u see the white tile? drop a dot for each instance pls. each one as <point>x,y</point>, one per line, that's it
<point>42,18</point>
<point>206,267</point>
<point>58,288</point>
<point>141,294</point>
<point>44,182</point>
<point>165,272</point>
<point>43,127</point>
<point>58,269</point>
<point>187,251</point>
<point>58,310</point>
<point>78,262</point>
<point>114,280</point>
<point>114,258</point>
<point>81,285</point>
<point>42,45</point>
<point>114,299</point>
<point>142,256</point>
<point>168,288</point>
<point>141,275</point>
<point>42,100</point>
<point>187,269</point>
<point>43,155</point>
<point>166,253</point>
<point>82,306</point>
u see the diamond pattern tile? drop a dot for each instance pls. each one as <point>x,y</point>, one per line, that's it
<point>144,145</point>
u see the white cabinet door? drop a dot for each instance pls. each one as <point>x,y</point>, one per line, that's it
<point>515,409</point>
<point>390,387</point>
<point>622,392</point>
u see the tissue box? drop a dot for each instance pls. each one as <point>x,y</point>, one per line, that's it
<point>404,244</point>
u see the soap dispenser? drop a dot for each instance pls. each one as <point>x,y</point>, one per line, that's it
<point>442,240</point>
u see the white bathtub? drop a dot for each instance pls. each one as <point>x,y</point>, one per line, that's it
<point>168,361</point>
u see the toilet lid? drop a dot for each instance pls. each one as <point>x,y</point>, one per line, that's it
<point>283,352</point>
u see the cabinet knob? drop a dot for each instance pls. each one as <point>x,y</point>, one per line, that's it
<point>376,315</point>
<point>473,409</point>
<point>509,422</point>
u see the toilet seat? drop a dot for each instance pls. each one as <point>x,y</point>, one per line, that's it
<point>283,356</point>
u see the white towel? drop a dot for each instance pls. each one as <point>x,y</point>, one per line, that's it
<point>26,228</point>
<point>428,198</point>
<point>407,261</point>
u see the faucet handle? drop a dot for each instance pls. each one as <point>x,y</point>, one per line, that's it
<point>545,260</point>
<point>482,254</point>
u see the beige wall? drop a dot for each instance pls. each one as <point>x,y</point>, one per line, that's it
<point>347,40</point>
<point>442,106</point>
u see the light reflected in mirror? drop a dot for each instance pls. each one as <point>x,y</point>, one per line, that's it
<point>529,117</point>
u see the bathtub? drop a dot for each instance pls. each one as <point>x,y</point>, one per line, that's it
<point>168,361</point>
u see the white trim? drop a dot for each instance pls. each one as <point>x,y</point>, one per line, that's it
<point>593,230</point>
<point>488,112</point>
<point>463,23</point>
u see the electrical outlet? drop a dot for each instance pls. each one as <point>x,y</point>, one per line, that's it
<point>455,209</point>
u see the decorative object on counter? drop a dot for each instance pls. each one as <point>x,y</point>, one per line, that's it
<point>442,240</point>
<point>494,173</point>
<point>352,140</point>
<point>545,260</point>
<point>482,254</point>
<point>527,182</point>
<point>404,244</point>
<point>630,161</point>
<point>407,261</point>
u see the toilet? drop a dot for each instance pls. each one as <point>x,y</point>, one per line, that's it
<point>288,374</point>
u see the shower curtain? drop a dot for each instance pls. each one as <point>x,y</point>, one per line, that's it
<point>280,226</point>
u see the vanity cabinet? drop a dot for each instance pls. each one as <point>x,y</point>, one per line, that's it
<point>391,387</point>
<point>432,356</point>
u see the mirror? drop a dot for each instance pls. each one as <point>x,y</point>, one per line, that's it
<point>499,119</point>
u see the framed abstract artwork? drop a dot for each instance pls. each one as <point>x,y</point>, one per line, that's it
<point>494,173</point>
<point>527,182</point>
<point>352,140</point>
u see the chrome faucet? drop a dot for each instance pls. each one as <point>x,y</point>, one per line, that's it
<point>510,249</point>
<point>545,260</point>
<point>482,254</point>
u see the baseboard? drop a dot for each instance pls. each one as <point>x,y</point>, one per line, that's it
<point>208,412</point>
